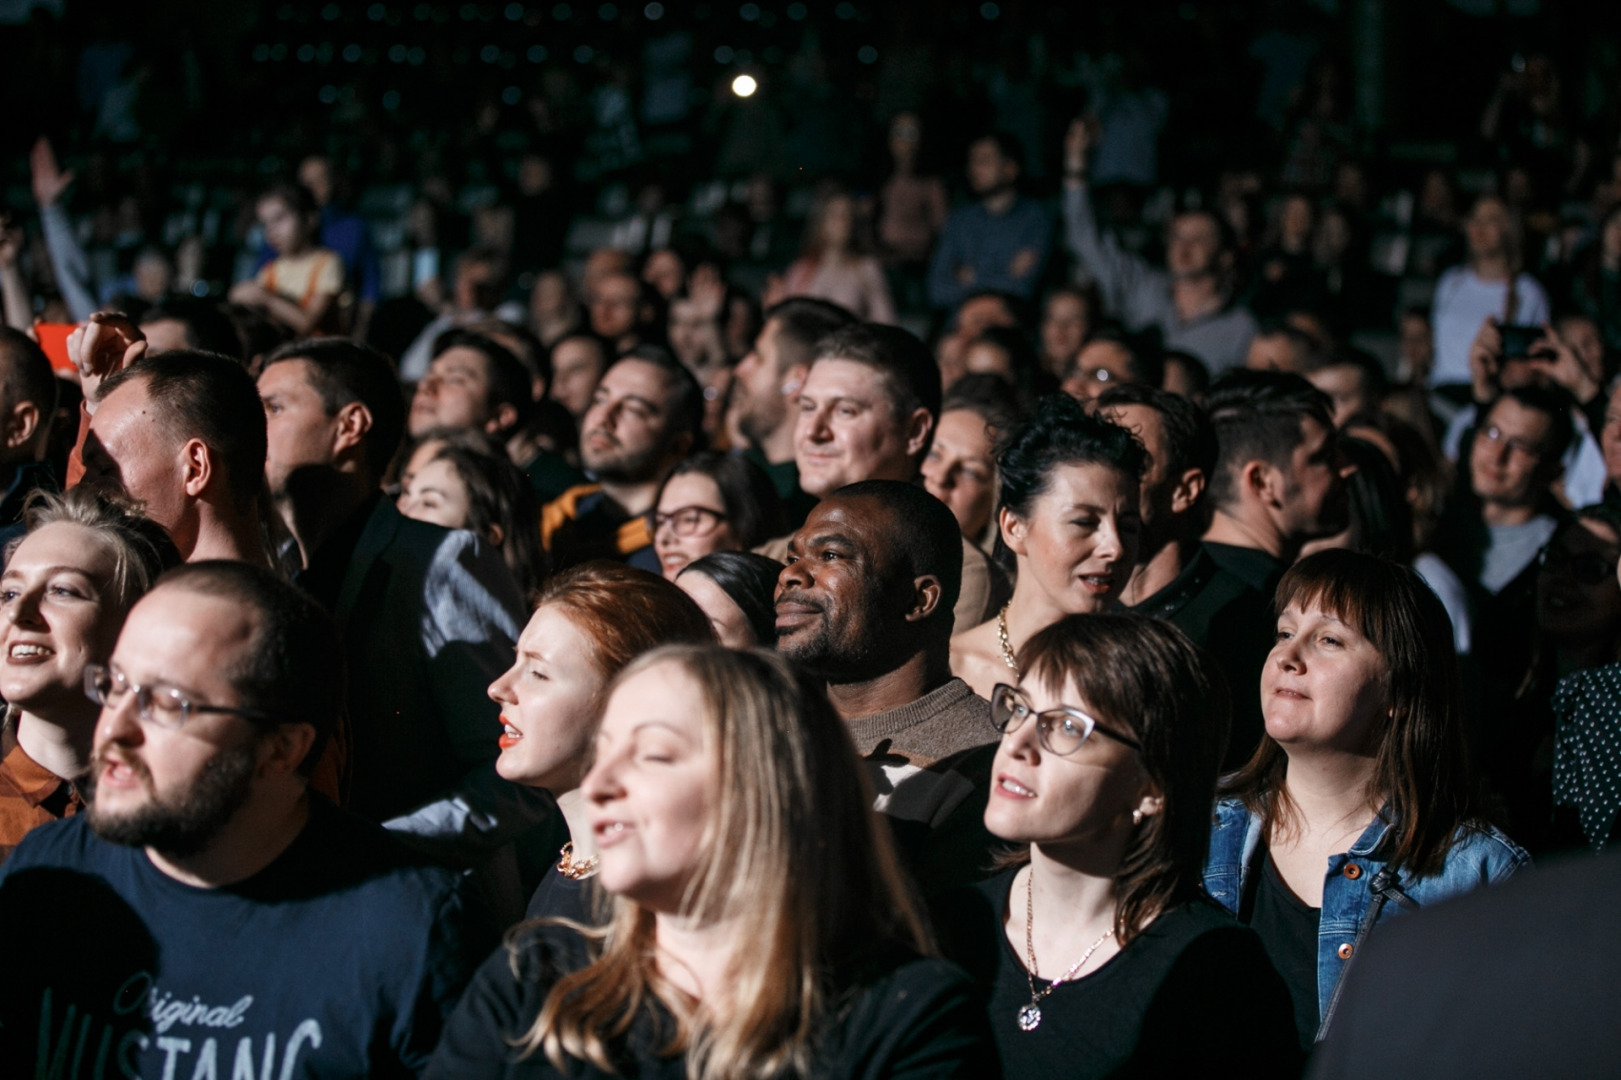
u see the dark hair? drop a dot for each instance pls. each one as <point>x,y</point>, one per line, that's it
<point>1257,416</point>
<point>1142,351</point>
<point>753,508</point>
<point>522,343</point>
<point>1381,520</point>
<point>1314,355</point>
<point>26,373</point>
<point>909,372</point>
<point>293,667</point>
<point>1190,441</point>
<point>750,580</point>
<point>299,199</point>
<point>604,355</point>
<point>1009,145</point>
<point>988,397</point>
<point>343,371</point>
<point>1022,357</point>
<point>209,397</point>
<point>1198,373</point>
<point>802,323</point>
<point>686,395</point>
<point>208,327</point>
<point>505,375</point>
<point>1375,383</point>
<point>924,533</point>
<point>500,501</point>
<point>625,611</point>
<point>1422,775</point>
<point>1062,432</point>
<point>1555,404</point>
<point>1144,676</point>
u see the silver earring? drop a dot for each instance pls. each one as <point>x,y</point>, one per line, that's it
<point>1136,817</point>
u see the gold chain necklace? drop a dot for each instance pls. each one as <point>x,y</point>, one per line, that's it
<point>1001,637</point>
<point>572,870</point>
<point>1030,1015</point>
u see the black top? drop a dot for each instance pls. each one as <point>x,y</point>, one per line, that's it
<point>323,578</point>
<point>341,958</point>
<point>1288,928</point>
<point>1192,995</point>
<point>908,1017</point>
<point>1220,610</point>
<point>1512,981</point>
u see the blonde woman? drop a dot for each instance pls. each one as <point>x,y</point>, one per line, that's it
<point>759,925</point>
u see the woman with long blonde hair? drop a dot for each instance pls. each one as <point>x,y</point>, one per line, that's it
<point>759,925</point>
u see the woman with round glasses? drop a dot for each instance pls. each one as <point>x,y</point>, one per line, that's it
<point>1098,955</point>
<point>68,584</point>
<point>1069,520</point>
<point>1360,801</point>
<point>713,502</point>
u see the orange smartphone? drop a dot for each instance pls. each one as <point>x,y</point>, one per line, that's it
<point>53,338</point>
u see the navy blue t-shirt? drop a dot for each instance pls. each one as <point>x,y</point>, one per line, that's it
<point>339,959</point>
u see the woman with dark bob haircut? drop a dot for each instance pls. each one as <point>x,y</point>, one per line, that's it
<point>713,502</point>
<point>1360,800</point>
<point>1069,521</point>
<point>1096,950</point>
<point>737,590</point>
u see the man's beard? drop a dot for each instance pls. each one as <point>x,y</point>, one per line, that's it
<point>623,466</point>
<point>857,658</point>
<point>188,824</point>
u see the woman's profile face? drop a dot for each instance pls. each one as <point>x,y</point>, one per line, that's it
<point>1083,798</point>
<point>1079,542</point>
<point>730,624</point>
<point>1323,686</point>
<point>690,522</point>
<point>651,791</point>
<point>548,699</point>
<point>60,613</point>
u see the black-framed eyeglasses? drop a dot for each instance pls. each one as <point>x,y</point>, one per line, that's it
<point>687,520</point>
<point>157,704</point>
<point>1062,731</point>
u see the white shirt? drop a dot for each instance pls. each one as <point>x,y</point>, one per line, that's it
<point>1462,302</point>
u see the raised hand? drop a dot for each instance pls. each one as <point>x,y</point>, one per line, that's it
<point>48,178</point>
<point>107,343</point>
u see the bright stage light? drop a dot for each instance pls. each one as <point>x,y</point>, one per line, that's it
<point>744,86</point>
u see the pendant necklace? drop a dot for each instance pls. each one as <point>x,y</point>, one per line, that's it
<point>1030,1015</point>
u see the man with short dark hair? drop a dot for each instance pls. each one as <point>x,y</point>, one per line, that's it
<point>28,390</point>
<point>1000,241</point>
<point>1112,358</point>
<point>1354,381</point>
<point>1280,346</point>
<point>429,615</point>
<point>620,311</point>
<point>646,414</point>
<point>1189,300</point>
<point>765,386</point>
<point>867,411</point>
<point>1176,578</point>
<point>865,601</point>
<point>183,434</point>
<point>208,916</point>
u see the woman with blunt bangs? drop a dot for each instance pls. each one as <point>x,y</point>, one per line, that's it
<point>1096,950</point>
<point>1360,801</point>
<point>760,926</point>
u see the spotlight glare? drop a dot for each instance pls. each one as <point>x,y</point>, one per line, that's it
<point>744,86</point>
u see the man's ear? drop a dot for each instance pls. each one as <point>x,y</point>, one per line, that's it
<point>354,421</point>
<point>284,747</point>
<point>197,467</point>
<point>1262,482</point>
<point>1187,490</point>
<point>793,379</point>
<point>926,594</point>
<point>22,425</point>
<point>919,426</point>
<point>1013,531</point>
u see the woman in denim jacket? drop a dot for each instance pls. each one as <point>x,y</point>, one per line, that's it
<point>1360,801</point>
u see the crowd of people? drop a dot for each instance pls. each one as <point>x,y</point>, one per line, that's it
<point>1057,632</point>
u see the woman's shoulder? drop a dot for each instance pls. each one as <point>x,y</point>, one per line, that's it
<point>1600,686</point>
<point>1483,848</point>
